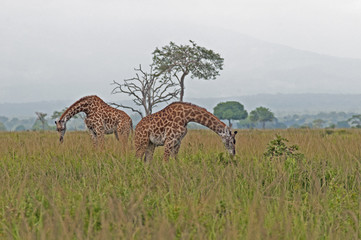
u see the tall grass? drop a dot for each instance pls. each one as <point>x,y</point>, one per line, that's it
<point>72,191</point>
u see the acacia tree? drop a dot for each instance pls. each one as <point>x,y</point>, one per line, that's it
<point>230,110</point>
<point>180,60</point>
<point>41,118</point>
<point>262,115</point>
<point>147,90</point>
<point>355,121</point>
<point>317,123</point>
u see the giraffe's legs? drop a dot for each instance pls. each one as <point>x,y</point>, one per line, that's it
<point>145,151</point>
<point>100,139</point>
<point>171,148</point>
<point>93,136</point>
<point>122,133</point>
<point>97,133</point>
<point>172,145</point>
<point>116,135</point>
<point>175,151</point>
<point>141,145</point>
<point>149,152</point>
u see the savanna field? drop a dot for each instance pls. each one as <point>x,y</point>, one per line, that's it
<point>270,190</point>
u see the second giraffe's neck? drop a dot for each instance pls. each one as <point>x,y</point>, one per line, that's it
<point>80,106</point>
<point>205,118</point>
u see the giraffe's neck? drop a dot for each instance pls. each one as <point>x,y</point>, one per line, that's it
<point>205,118</point>
<point>82,105</point>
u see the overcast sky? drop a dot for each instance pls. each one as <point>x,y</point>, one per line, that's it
<point>65,49</point>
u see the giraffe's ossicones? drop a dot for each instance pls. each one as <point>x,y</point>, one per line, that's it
<point>100,119</point>
<point>168,127</point>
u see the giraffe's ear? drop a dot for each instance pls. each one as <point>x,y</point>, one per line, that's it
<point>56,122</point>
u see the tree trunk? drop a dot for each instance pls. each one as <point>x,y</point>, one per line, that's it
<point>181,94</point>
<point>181,83</point>
<point>229,123</point>
<point>263,125</point>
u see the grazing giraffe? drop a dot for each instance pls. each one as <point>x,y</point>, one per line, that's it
<point>100,119</point>
<point>168,127</point>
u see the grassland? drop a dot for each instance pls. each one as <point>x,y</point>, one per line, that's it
<point>71,191</point>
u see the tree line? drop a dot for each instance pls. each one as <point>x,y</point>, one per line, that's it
<point>233,110</point>
<point>262,117</point>
<point>317,120</point>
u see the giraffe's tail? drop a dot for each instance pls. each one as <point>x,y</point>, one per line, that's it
<point>131,127</point>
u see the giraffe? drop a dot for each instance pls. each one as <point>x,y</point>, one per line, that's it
<point>100,119</point>
<point>168,127</point>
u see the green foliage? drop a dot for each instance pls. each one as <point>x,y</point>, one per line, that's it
<point>57,114</point>
<point>246,124</point>
<point>318,123</point>
<point>342,124</point>
<point>180,60</point>
<point>262,115</point>
<point>12,124</point>
<point>2,127</point>
<point>3,119</point>
<point>20,128</point>
<point>41,118</point>
<point>277,148</point>
<point>230,110</point>
<point>339,119</point>
<point>40,126</point>
<point>355,121</point>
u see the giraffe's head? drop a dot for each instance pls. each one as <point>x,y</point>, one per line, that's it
<point>61,128</point>
<point>229,140</point>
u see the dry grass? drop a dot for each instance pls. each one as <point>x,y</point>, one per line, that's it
<point>71,191</point>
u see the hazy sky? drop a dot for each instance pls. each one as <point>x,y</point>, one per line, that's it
<point>52,50</point>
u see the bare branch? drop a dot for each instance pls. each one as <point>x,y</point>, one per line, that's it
<point>127,107</point>
<point>147,90</point>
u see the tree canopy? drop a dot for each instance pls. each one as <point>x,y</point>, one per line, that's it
<point>177,61</point>
<point>20,128</point>
<point>262,115</point>
<point>318,123</point>
<point>230,110</point>
<point>355,121</point>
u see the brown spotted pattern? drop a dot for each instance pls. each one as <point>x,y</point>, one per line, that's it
<point>168,127</point>
<point>100,119</point>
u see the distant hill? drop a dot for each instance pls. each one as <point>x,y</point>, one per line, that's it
<point>29,109</point>
<point>281,104</point>
<point>251,66</point>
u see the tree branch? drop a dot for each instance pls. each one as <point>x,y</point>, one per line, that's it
<point>146,89</point>
<point>127,107</point>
